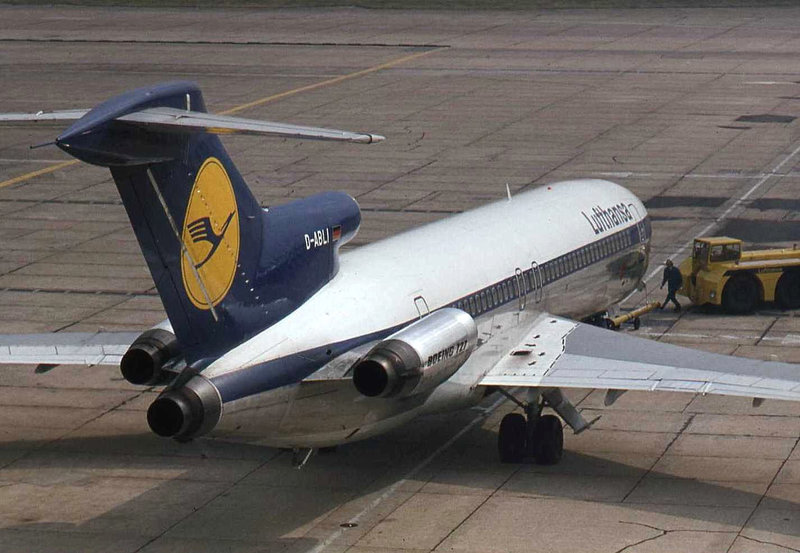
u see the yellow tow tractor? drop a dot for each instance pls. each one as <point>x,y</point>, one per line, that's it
<point>720,273</point>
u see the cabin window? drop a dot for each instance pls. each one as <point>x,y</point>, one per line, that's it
<point>472,306</point>
<point>483,302</point>
<point>495,301</point>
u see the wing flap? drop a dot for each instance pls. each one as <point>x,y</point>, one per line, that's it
<point>566,354</point>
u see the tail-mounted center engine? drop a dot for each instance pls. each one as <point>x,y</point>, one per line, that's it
<point>144,360</point>
<point>419,357</point>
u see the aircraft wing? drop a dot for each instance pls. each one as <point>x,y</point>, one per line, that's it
<point>554,352</point>
<point>73,348</point>
<point>178,120</point>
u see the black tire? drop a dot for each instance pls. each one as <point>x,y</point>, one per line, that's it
<point>548,446</point>
<point>610,325</point>
<point>740,294</point>
<point>637,322</point>
<point>512,440</point>
<point>787,293</point>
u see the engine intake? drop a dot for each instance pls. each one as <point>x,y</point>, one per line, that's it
<point>143,362</point>
<point>419,357</point>
<point>186,412</point>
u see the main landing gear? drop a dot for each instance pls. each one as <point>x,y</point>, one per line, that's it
<point>530,435</point>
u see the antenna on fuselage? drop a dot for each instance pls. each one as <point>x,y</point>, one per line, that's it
<point>508,191</point>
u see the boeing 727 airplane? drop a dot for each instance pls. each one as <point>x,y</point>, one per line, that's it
<point>272,334</point>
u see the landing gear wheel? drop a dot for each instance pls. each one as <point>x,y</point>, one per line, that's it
<point>610,325</point>
<point>740,295</point>
<point>548,445</point>
<point>637,322</point>
<point>512,441</point>
<point>787,293</point>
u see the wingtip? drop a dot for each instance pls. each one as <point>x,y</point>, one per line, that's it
<point>370,138</point>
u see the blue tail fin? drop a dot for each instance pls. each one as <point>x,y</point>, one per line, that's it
<point>224,267</point>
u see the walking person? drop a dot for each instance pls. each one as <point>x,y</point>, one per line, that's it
<point>674,281</point>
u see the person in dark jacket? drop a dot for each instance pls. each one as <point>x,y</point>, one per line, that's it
<point>674,281</point>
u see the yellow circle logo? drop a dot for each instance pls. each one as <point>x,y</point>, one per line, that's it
<point>211,237</point>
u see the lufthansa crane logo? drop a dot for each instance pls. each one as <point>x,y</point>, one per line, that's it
<point>210,236</point>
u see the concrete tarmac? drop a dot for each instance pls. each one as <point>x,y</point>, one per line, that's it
<point>661,101</point>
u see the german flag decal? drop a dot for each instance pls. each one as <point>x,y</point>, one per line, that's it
<point>211,236</point>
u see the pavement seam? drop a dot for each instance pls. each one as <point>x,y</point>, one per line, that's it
<point>204,504</point>
<point>763,542</point>
<point>38,172</point>
<point>391,490</point>
<point>767,330</point>
<point>328,82</point>
<point>663,532</point>
<point>649,471</point>
<point>220,42</point>
<point>478,507</point>
<point>763,496</point>
<point>47,443</point>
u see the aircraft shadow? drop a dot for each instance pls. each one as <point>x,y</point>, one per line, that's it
<point>210,495</point>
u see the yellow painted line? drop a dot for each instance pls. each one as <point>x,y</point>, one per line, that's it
<point>242,107</point>
<point>33,174</point>
<point>328,82</point>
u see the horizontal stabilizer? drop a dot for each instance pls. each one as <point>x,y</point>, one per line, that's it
<point>61,115</point>
<point>167,119</point>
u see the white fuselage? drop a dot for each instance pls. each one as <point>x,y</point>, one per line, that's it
<point>572,249</point>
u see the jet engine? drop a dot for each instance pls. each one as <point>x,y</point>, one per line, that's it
<point>144,360</point>
<point>419,357</point>
<point>186,412</point>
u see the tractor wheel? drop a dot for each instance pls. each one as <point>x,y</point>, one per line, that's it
<point>740,294</point>
<point>787,293</point>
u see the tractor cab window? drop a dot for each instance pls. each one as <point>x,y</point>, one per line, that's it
<point>700,252</point>
<point>726,252</point>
